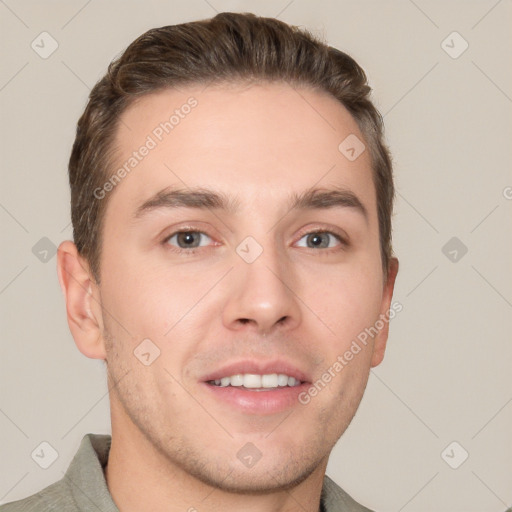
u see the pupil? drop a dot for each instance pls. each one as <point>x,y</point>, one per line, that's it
<point>316,240</point>
<point>187,238</point>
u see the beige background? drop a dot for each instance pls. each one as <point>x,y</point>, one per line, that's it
<point>448,121</point>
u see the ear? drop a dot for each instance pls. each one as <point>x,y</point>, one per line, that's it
<point>379,346</point>
<point>82,297</point>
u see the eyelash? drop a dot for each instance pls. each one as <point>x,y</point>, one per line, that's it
<point>193,251</point>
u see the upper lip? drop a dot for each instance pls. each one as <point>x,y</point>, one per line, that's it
<point>259,368</point>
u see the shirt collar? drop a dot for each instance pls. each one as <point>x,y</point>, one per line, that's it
<point>86,480</point>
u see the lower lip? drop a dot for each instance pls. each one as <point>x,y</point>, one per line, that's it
<point>259,402</point>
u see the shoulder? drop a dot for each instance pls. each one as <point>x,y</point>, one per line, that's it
<point>82,486</point>
<point>55,497</point>
<point>335,499</point>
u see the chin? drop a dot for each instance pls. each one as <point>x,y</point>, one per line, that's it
<point>260,479</point>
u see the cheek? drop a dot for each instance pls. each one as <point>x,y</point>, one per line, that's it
<point>160,304</point>
<point>147,299</point>
<point>346,301</point>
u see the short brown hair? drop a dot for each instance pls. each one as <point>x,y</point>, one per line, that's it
<point>231,47</point>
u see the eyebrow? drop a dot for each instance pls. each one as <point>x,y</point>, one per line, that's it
<point>205,199</point>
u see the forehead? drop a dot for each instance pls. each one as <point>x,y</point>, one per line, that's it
<point>252,141</point>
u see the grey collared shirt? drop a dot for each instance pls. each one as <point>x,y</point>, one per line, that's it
<point>83,488</point>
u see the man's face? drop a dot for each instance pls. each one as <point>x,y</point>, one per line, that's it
<point>256,287</point>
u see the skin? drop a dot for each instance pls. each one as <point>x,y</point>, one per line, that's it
<point>174,446</point>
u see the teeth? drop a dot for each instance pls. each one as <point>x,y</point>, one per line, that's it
<point>237,380</point>
<point>254,381</point>
<point>269,381</point>
<point>282,380</point>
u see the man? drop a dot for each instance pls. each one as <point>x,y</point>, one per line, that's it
<point>231,201</point>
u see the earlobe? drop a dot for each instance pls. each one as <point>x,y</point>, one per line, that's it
<point>381,339</point>
<point>82,307</point>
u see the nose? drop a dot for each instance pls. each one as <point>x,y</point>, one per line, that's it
<point>262,297</point>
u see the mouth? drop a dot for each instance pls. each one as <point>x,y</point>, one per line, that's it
<point>255,382</point>
<point>257,388</point>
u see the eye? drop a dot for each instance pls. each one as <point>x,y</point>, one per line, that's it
<point>186,240</point>
<point>321,240</point>
<point>189,241</point>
